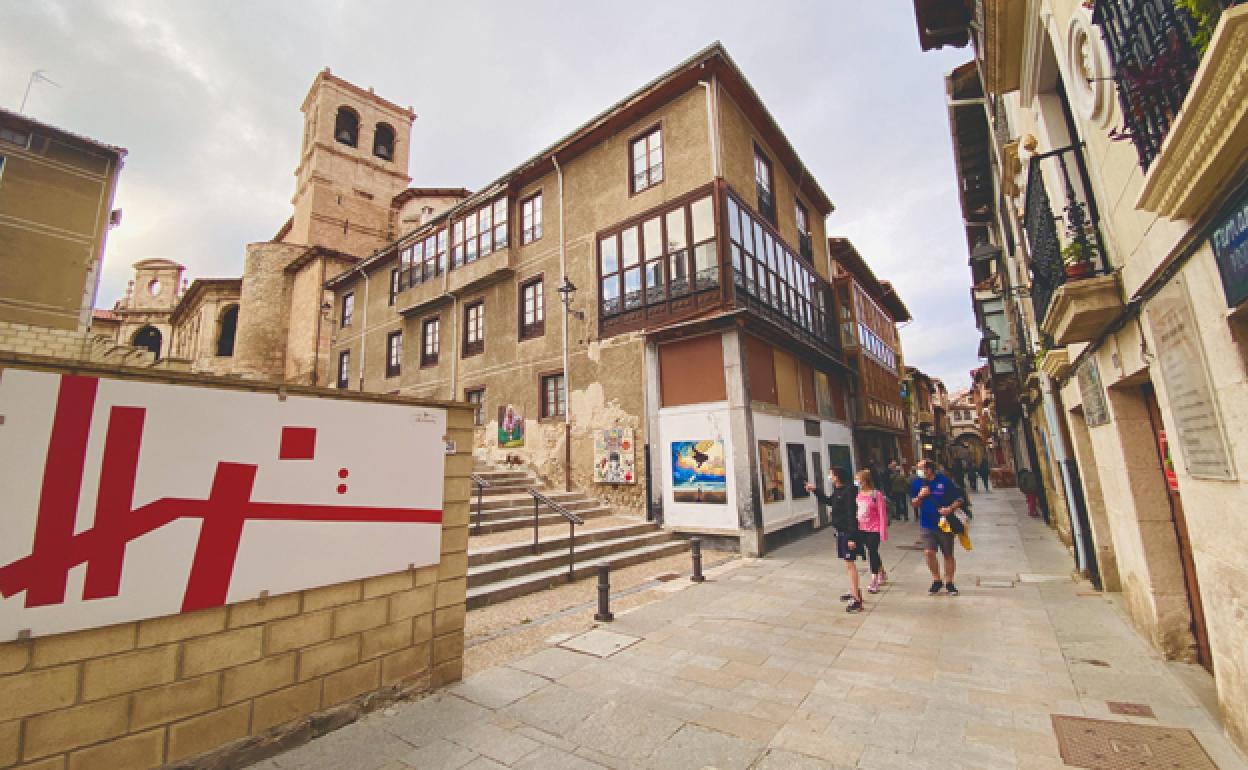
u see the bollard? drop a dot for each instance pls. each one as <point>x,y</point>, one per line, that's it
<point>695,545</point>
<point>604,595</point>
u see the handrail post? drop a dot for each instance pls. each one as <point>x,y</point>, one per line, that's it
<point>478,520</point>
<point>695,547</point>
<point>535,524</point>
<point>571,550</point>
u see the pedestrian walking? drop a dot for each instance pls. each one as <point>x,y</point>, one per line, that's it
<point>899,485</point>
<point>843,513</point>
<point>957,469</point>
<point>1028,486</point>
<point>970,477</point>
<point>985,470</point>
<point>872,513</point>
<point>936,497</point>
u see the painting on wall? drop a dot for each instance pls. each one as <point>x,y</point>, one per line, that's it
<point>797,470</point>
<point>772,467</point>
<point>510,427</point>
<point>613,456</point>
<point>698,472</point>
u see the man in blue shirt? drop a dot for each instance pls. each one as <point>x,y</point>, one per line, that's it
<point>935,496</point>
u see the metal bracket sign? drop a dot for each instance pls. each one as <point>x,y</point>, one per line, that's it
<point>127,500</point>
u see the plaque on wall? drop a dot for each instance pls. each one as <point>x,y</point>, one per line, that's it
<point>1095,409</point>
<point>1195,413</point>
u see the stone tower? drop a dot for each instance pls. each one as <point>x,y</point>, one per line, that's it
<point>352,163</point>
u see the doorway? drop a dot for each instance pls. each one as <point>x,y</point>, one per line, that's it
<point>1190,583</point>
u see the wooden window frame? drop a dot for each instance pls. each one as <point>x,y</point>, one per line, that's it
<point>394,286</point>
<point>477,346</point>
<point>536,329</point>
<point>805,237</point>
<point>430,358</point>
<point>759,155</point>
<point>644,136</point>
<point>534,232</point>
<point>478,413</point>
<point>347,307</point>
<point>394,353</point>
<point>499,232</point>
<point>542,377</point>
<point>344,369</point>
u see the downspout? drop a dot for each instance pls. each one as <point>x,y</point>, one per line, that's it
<point>710,128</point>
<point>567,373</point>
<point>1064,462</point>
<point>363,326</point>
<point>320,315</point>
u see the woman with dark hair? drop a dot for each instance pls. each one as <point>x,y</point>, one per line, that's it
<point>843,513</point>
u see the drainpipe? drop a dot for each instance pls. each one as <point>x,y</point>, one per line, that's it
<point>711,126</point>
<point>1058,440</point>
<point>320,315</point>
<point>567,373</point>
<point>363,326</point>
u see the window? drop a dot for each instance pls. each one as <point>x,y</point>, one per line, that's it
<point>344,368</point>
<point>394,285</point>
<point>15,136</point>
<point>646,160</point>
<point>348,308</point>
<point>762,180</point>
<point>532,309</point>
<point>804,242</point>
<point>430,341</point>
<point>423,259</point>
<point>394,353</point>
<point>476,397</point>
<point>347,127</point>
<point>554,395</point>
<point>228,330</point>
<point>383,141</point>
<point>474,328</point>
<point>665,256</point>
<point>531,219</point>
<point>479,233</point>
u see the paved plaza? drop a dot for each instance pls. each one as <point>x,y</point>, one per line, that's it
<point>761,667</point>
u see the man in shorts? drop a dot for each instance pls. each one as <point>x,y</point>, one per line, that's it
<point>935,495</point>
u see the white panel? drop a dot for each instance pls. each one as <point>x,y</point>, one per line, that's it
<point>692,423</point>
<point>367,502</point>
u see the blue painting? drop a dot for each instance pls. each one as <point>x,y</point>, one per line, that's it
<point>698,474</point>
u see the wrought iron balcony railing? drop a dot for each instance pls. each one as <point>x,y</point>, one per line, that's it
<point>1155,48</point>
<point>1080,251</point>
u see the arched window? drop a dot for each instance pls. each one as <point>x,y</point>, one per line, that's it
<point>347,127</point>
<point>147,337</point>
<point>227,327</point>
<point>383,141</point>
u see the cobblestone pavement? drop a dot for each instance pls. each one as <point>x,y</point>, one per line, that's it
<point>761,667</point>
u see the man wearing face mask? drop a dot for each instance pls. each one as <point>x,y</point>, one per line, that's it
<point>935,496</point>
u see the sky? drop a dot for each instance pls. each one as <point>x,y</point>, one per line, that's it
<point>205,97</point>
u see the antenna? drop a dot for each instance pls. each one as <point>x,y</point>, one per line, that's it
<point>37,75</point>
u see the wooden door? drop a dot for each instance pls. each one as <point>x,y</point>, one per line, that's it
<point>1190,582</point>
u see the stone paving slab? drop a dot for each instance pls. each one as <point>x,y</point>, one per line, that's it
<point>760,668</point>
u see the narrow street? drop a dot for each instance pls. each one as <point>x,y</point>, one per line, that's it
<point>760,667</point>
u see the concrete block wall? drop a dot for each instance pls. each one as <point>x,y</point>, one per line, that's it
<point>236,683</point>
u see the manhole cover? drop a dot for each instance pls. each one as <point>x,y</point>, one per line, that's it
<point>1101,745</point>
<point>1130,709</point>
<point>599,643</point>
<point>1031,577</point>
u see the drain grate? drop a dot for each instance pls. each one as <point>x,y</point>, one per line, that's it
<point>1098,744</point>
<point>1130,709</point>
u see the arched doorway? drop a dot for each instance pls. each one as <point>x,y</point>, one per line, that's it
<point>227,327</point>
<point>147,337</point>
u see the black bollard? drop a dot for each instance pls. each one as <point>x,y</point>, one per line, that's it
<point>604,595</point>
<point>695,546</point>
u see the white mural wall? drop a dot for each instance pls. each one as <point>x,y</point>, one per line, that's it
<point>697,422</point>
<point>784,431</point>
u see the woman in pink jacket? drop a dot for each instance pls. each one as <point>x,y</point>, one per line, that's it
<point>873,523</point>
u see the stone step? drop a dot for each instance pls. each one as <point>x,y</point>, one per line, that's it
<point>504,477</point>
<point>513,500</point>
<point>530,563</point>
<point>526,522</point>
<point>510,588</point>
<point>509,511</point>
<point>559,543</point>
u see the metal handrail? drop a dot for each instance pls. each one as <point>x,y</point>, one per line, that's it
<point>481,484</point>
<point>573,520</point>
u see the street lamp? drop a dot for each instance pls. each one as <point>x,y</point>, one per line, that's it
<point>567,292</point>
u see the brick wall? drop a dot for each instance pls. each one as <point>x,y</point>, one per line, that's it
<point>245,680</point>
<point>70,345</point>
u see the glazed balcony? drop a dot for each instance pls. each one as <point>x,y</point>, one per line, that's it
<point>426,286</point>
<point>1074,289</point>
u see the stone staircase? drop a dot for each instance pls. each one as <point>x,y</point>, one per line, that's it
<point>502,563</point>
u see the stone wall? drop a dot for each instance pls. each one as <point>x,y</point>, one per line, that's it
<point>72,345</point>
<point>243,681</point>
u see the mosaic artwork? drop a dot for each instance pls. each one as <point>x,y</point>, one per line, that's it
<point>698,472</point>
<point>614,456</point>
<point>772,467</point>
<point>510,427</point>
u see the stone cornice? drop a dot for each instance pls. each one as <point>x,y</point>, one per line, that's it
<point>1207,146</point>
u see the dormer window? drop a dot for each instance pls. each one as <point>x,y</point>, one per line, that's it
<point>383,141</point>
<point>347,127</point>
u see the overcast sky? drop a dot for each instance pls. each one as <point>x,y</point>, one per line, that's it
<point>205,96</point>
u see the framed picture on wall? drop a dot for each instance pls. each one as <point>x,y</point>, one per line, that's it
<point>698,472</point>
<point>798,474</point>
<point>771,466</point>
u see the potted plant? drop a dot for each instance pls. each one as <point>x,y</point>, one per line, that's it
<point>1077,258</point>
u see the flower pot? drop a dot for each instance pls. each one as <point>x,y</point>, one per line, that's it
<point>1079,270</point>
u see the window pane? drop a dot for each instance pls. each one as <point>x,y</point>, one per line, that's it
<point>611,295</point>
<point>607,250</point>
<point>652,234</point>
<point>628,246</point>
<point>487,242</point>
<point>703,220</point>
<point>676,238</point>
<point>500,211</point>
<point>500,235</point>
<point>678,269</point>
<point>470,250</point>
<point>734,221</point>
<point>470,225</point>
<point>705,265</point>
<point>487,220</point>
<point>632,288</point>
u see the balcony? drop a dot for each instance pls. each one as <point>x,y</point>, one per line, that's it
<point>1056,363</point>
<point>461,280</point>
<point>1074,289</point>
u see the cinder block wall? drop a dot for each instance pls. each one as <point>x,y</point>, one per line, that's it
<point>246,678</point>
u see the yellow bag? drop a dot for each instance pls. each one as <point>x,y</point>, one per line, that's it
<point>965,539</point>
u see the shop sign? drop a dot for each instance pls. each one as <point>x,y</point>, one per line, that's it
<point>1095,410</point>
<point>1183,371</point>
<point>1229,239</point>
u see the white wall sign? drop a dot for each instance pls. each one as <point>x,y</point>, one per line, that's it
<point>127,500</point>
<point>1183,371</point>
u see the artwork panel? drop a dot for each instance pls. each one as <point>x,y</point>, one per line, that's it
<point>510,427</point>
<point>772,468</point>
<point>699,473</point>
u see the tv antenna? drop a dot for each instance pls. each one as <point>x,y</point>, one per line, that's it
<point>40,76</point>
